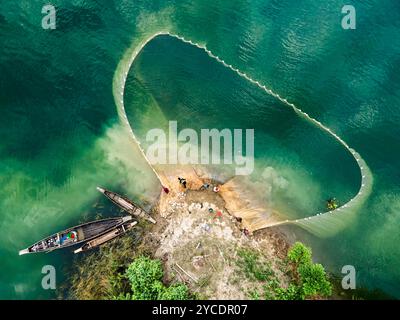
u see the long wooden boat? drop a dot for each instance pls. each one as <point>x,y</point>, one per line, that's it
<point>75,235</point>
<point>116,232</point>
<point>126,204</point>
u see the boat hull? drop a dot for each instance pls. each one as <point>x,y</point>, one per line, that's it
<point>126,205</point>
<point>106,237</point>
<point>75,235</point>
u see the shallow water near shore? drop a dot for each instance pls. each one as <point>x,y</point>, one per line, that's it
<point>61,136</point>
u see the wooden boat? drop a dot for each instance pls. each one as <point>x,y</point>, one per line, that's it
<point>126,204</point>
<point>75,235</point>
<point>116,232</point>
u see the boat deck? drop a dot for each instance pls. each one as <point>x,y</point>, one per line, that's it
<point>92,230</point>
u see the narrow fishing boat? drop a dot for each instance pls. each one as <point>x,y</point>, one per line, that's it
<point>116,232</point>
<point>75,235</point>
<point>126,204</point>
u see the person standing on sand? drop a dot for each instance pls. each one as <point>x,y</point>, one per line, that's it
<point>182,181</point>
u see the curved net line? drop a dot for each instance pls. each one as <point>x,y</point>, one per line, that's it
<point>322,224</point>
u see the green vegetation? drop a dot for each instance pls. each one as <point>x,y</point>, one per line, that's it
<point>249,262</point>
<point>145,276</point>
<point>308,280</point>
<point>299,254</point>
<point>117,272</point>
<point>101,274</point>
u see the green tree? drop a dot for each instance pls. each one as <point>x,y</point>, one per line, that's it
<point>310,278</point>
<point>292,292</point>
<point>299,254</point>
<point>314,281</point>
<point>145,277</point>
<point>175,292</point>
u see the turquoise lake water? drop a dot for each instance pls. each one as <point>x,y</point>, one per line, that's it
<point>61,136</point>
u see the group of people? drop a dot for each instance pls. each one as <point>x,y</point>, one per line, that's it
<point>183,183</point>
<point>205,186</point>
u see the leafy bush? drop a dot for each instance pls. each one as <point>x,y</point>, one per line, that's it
<point>314,280</point>
<point>290,293</point>
<point>175,292</point>
<point>310,279</point>
<point>145,277</point>
<point>299,254</point>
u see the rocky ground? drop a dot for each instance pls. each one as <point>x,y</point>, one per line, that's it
<point>198,241</point>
